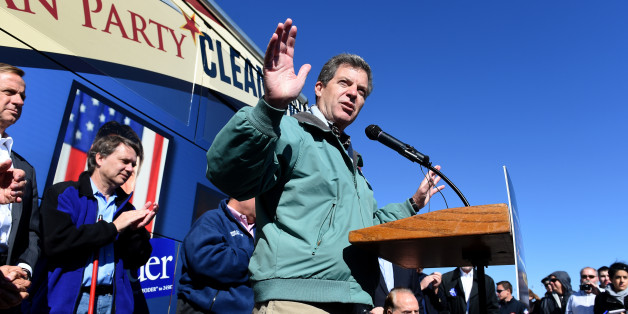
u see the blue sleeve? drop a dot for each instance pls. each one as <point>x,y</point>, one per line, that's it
<point>209,254</point>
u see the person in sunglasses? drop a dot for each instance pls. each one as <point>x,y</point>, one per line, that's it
<point>582,301</point>
<point>556,302</point>
<point>507,303</point>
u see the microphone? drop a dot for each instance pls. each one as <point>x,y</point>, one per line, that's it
<point>375,133</point>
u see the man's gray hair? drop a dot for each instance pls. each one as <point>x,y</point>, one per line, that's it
<point>329,69</point>
<point>105,146</point>
<point>7,68</point>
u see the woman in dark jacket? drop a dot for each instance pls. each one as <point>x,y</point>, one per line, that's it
<point>616,295</point>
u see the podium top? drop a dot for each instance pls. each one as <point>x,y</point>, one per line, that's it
<point>445,238</point>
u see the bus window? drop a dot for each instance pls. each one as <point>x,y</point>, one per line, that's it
<point>206,199</point>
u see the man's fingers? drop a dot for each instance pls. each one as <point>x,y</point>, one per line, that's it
<point>287,31</point>
<point>436,190</point>
<point>5,165</point>
<point>147,219</point>
<point>19,174</point>
<point>303,72</point>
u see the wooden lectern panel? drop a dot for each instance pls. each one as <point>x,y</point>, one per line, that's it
<point>444,238</point>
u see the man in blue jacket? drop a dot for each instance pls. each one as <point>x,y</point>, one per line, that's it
<point>215,257</point>
<point>93,218</point>
<point>308,183</point>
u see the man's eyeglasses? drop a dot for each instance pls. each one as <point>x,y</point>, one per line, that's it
<point>554,279</point>
<point>499,291</point>
<point>587,276</point>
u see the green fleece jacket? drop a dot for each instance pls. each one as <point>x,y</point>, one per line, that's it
<point>310,194</point>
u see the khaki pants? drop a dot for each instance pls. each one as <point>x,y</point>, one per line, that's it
<point>291,307</point>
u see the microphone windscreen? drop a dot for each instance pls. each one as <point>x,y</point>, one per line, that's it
<point>372,131</point>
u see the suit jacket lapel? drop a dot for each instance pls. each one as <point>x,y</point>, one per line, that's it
<point>382,283</point>
<point>459,288</point>
<point>474,287</point>
<point>16,214</point>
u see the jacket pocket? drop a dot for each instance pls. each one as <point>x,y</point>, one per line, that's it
<point>325,226</point>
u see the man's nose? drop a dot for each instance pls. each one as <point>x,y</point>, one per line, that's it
<point>17,100</point>
<point>352,91</point>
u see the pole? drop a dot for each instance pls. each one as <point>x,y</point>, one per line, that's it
<point>92,288</point>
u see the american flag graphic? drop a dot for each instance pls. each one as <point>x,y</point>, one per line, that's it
<point>88,115</point>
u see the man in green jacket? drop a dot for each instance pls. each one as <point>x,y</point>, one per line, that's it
<point>308,183</point>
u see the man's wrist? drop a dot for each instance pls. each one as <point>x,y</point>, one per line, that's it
<point>29,276</point>
<point>414,205</point>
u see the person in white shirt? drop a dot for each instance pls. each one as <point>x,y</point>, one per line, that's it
<point>19,221</point>
<point>461,288</point>
<point>582,301</point>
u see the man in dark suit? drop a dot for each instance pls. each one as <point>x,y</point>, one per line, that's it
<point>394,276</point>
<point>433,296</point>
<point>19,218</point>
<point>461,288</point>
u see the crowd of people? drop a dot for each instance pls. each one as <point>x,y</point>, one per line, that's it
<point>279,244</point>
<point>601,291</point>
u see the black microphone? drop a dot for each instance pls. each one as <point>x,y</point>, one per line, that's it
<point>375,133</point>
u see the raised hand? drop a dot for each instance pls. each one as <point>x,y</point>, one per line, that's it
<point>427,188</point>
<point>281,84</point>
<point>434,279</point>
<point>12,183</point>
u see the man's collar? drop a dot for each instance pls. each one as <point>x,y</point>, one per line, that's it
<point>7,141</point>
<point>317,113</point>
<point>345,139</point>
<point>95,191</point>
<point>463,274</point>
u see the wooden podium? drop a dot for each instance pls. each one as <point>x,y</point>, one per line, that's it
<point>474,235</point>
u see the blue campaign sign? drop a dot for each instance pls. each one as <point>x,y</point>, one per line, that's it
<point>158,274</point>
<point>520,265</point>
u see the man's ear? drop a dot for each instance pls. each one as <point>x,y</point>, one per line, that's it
<point>99,159</point>
<point>318,87</point>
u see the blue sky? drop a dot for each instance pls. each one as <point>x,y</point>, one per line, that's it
<point>537,86</point>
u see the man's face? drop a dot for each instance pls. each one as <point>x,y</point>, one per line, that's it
<point>502,293</point>
<point>556,285</point>
<point>588,275</point>
<point>405,303</point>
<point>117,168</point>
<point>342,98</point>
<point>605,279</point>
<point>129,185</point>
<point>466,269</point>
<point>547,285</point>
<point>13,93</point>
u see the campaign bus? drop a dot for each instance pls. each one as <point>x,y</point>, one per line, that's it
<point>175,71</point>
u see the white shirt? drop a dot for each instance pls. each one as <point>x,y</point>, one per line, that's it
<point>6,143</point>
<point>580,303</point>
<point>387,272</point>
<point>467,283</point>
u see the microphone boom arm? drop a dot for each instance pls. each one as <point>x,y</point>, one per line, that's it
<point>451,184</point>
<point>375,133</point>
